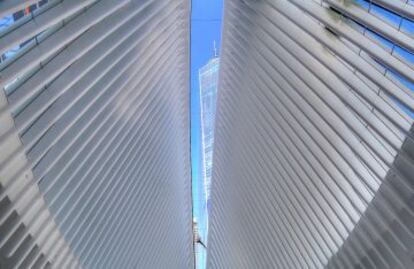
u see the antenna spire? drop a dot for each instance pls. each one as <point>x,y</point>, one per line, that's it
<point>215,49</point>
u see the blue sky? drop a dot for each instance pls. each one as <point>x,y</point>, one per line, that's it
<point>205,29</point>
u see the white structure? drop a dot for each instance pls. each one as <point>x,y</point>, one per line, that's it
<point>94,135</point>
<point>314,153</point>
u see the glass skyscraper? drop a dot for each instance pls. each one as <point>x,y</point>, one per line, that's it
<point>208,76</point>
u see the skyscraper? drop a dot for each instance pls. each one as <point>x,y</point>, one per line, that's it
<point>314,150</point>
<point>208,78</point>
<point>94,135</point>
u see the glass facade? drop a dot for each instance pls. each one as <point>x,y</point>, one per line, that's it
<point>399,23</point>
<point>208,76</point>
<point>9,20</point>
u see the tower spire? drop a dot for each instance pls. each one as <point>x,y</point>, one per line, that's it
<point>215,49</point>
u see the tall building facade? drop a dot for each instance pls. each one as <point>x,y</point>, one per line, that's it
<point>94,135</point>
<point>208,78</point>
<point>314,152</point>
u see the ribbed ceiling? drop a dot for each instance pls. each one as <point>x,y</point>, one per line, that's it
<point>313,158</point>
<point>95,166</point>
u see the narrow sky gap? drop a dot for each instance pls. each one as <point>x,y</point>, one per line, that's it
<point>314,144</point>
<point>205,31</point>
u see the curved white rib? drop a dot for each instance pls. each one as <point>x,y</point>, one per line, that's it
<point>313,156</point>
<point>95,135</point>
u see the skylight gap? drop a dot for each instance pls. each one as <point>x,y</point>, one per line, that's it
<point>205,50</point>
